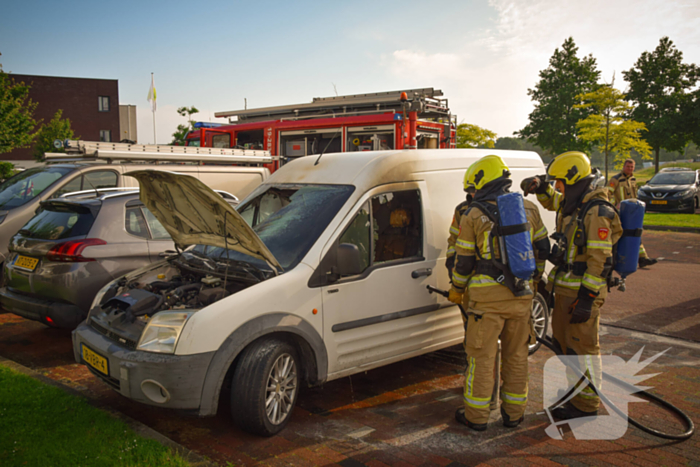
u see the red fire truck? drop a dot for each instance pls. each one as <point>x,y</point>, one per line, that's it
<point>411,119</point>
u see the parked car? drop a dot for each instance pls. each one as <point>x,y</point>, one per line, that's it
<point>21,195</point>
<point>64,255</point>
<point>674,189</point>
<point>308,281</point>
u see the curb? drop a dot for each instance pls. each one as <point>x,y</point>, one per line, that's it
<point>139,428</point>
<point>672,229</point>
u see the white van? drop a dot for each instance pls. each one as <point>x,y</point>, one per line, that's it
<point>312,281</point>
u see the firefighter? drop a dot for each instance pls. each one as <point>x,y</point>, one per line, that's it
<point>587,227</point>
<point>623,186</point>
<point>493,309</point>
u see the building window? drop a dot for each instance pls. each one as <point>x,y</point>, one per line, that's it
<point>105,135</point>
<point>103,103</point>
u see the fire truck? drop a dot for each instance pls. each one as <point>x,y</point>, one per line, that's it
<point>410,119</point>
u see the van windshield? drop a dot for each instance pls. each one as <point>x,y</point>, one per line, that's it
<point>27,185</point>
<point>287,218</point>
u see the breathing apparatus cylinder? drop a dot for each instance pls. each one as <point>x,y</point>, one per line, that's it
<point>515,233</point>
<point>632,219</point>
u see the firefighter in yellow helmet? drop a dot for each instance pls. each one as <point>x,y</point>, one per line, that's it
<point>587,227</point>
<point>499,303</point>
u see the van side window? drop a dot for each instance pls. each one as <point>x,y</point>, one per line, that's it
<point>398,225</point>
<point>70,187</point>
<point>100,179</point>
<point>359,233</point>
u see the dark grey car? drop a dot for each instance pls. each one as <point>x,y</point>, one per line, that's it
<point>74,246</point>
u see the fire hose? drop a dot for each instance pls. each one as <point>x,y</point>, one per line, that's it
<point>622,384</point>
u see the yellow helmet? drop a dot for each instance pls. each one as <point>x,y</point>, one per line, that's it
<point>570,167</point>
<point>485,170</point>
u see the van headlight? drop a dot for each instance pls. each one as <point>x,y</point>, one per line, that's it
<point>163,331</point>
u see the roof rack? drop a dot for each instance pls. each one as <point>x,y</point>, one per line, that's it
<point>83,151</point>
<point>426,101</point>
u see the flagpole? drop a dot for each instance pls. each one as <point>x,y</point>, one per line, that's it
<point>153,109</point>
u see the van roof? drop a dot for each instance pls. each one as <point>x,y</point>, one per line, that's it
<point>373,168</point>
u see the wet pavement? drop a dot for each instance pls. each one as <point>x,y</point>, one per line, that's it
<point>403,414</point>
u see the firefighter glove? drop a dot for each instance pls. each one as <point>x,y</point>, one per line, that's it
<point>450,263</point>
<point>537,185</point>
<point>580,310</point>
<point>456,297</point>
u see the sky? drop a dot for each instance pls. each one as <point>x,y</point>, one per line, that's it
<point>484,55</point>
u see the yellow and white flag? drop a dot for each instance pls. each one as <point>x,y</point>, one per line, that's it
<point>152,94</point>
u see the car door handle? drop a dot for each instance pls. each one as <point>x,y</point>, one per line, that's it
<point>421,272</point>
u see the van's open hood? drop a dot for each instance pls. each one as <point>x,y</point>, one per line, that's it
<point>193,213</point>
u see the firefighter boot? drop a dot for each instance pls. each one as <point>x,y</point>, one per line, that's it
<point>569,411</point>
<point>507,422</point>
<point>459,416</point>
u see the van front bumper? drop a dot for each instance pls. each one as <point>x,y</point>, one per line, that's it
<point>173,381</point>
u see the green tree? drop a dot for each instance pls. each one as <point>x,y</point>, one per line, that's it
<point>7,170</point>
<point>472,136</point>
<point>660,86</point>
<point>521,144</point>
<point>608,127</point>
<point>181,133</point>
<point>553,122</point>
<point>16,114</point>
<point>57,128</point>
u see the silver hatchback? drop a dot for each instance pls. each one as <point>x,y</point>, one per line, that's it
<point>74,246</point>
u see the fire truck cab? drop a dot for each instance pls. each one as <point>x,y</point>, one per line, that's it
<point>411,119</point>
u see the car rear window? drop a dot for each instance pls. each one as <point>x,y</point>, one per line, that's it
<point>59,221</point>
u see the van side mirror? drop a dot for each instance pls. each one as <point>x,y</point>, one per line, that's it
<point>349,260</point>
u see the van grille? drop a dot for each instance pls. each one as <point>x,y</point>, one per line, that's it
<point>128,343</point>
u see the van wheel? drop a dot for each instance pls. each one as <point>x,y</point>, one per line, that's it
<point>540,316</point>
<point>265,387</point>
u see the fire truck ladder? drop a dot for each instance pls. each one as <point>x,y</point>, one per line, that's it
<point>89,151</point>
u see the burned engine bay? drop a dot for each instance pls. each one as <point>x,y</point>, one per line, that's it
<point>185,281</point>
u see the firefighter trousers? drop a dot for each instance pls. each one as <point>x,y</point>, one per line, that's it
<point>511,321</point>
<point>582,340</point>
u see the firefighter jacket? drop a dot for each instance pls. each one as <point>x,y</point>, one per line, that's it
<point>454,232</point>
<point>622,188</point>
<point>583,265</point>
<point>474,231</point>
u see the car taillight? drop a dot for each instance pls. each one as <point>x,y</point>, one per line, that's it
<point>70,252</point>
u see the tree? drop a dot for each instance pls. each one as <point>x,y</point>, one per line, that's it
<point>659,86</point>
<point>16,114</point>
<point>553,122</point>
<point>181,133</point>
<point>521,144</point>
<point>472,136</point>
<point>57,128</point>
<point>608,126</point>
<point>7,170</point>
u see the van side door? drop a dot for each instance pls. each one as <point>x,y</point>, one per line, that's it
<point>383,312</point>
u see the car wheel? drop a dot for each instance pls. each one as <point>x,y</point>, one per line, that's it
<point>265,387</point>
<point>540,317</point>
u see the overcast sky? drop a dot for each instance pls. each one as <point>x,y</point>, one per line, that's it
<point>483,55</point>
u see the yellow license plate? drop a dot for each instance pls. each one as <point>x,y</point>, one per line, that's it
<point>25,262</point>
<point>659,202</point>
<point>98,362</point>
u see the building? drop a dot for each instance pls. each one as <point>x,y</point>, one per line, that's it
<point>91,105</point>
<point>127,123</point>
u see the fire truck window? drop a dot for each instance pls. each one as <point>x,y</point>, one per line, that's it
<point>194,142</point>
<point>221,141</point>
<point>427,141</point>
<point>370,141</point>
<point>252,139</point>
<point>306,145</point>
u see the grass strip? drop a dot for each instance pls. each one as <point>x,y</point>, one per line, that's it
<point>42,425</point>
<point>672,219</point>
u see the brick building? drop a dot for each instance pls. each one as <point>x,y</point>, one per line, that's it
<point>91,105</point>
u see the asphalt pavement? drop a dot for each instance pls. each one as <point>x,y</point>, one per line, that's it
<point>403,414</point>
